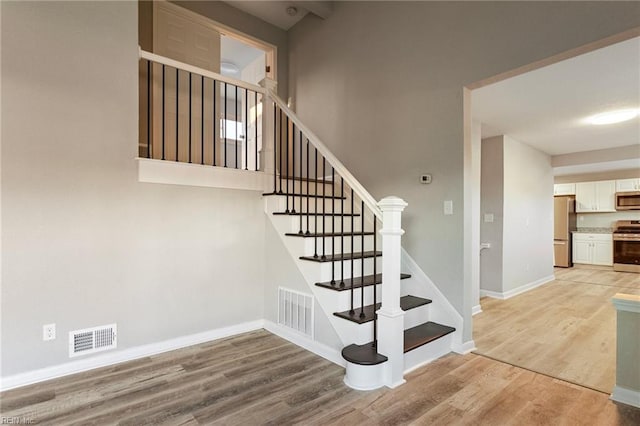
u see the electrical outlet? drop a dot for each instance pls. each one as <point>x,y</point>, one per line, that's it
<point>48,332</point>
<point>426,179</point>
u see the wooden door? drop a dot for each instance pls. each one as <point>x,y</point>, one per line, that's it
<point>186,37</point>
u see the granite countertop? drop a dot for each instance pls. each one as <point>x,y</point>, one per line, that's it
<point>594,230</point>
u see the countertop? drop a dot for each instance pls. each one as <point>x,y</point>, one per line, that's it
<point>593,231</point>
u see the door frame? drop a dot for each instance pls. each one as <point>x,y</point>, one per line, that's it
<point>271,50</point>
<point>471,180</point>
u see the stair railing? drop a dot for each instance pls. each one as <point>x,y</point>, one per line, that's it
<point>192,115</point>
<point>290,135</point>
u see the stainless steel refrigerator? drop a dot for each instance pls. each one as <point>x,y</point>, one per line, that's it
<point>564,221</point>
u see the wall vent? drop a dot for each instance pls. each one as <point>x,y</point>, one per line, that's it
<point>295,311</point>
<point>92,340</point>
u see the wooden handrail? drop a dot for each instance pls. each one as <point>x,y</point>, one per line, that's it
<point>340,168</point>
<point>143,54</point>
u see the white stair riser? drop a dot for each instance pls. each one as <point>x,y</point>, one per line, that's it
<point>299,204</point>
<point>323,270</point>
<point>301,187</point>
<point>416,316</point>
<point>310,245</point>
<point>429,352</point>
<point>326,224</point>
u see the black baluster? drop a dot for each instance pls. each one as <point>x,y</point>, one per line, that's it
<point>286,141</point>
<point>362,260</point>
<point>177,113</point>
<point>149,109</point>
<point>341,228</point>
<point>190,86</point>
<point>307,233</point>
<point>375,288</point>
<point>352,311</point>
<point>275,155</point>
<point>324,202</point>
<point>255,145</point>
<point>224,124</point>
<point>333,226</point>
<point>163,90</point>
<point>236,126</point>
<point>215,119</point>
<point>246,129</point>
<point>301,178</point>
<point>201,119</point>
<point>280,157</point>
<point>315,200</point>
<point>293,166</point>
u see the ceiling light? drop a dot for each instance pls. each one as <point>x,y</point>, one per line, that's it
<point>229,68</point>
<point>612,117</point>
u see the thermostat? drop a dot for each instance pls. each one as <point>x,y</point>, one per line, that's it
<point>425,178</point>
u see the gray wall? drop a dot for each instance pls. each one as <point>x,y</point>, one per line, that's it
<point>382,82</point>
<point>83,243</point>
<point>528,215</point>
<point>492,202</point>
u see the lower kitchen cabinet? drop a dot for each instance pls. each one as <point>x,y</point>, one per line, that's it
<point>593,249</point>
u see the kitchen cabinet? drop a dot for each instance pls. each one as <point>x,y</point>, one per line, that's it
<point>627,185</point>
<point>564,189</point>
<point>597,196</point>
<point>593,249</point>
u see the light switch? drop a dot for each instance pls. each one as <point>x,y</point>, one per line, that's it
<point>448,207</point>
<point>488,217</point>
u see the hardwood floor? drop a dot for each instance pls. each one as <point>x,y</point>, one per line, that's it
<point>565,329</point>
<point>260,379</point>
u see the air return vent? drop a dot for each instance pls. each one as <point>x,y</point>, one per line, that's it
<point>91,340</point>
<point>295,311</point>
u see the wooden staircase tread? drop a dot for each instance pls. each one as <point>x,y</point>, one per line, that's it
<point>287,194</point>
<point>316,214</point>
<point>342,256</point>
<point>406,303</point>
<point>328,234</point>
<point>424,333</point>
<point>363,354</point>
<point>357,282</point>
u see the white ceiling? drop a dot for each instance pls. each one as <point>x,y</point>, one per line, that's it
<point>545,108</point>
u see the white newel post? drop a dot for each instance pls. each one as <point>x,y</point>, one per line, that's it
<point>390,316</point>
<point>267,161</point>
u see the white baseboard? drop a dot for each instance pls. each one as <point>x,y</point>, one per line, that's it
<point>516,291</point>
<point>317,348</point>
<point>626,396</point>
<point>465,348</point>
<point>106,359</point>
<point>476,310</point>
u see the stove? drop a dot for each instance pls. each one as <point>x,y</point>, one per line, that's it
<point>626,246</point>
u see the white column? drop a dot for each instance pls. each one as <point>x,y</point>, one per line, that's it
<point>390,316</point>
<point>266,160</point>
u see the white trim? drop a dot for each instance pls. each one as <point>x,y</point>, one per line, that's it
<point>340,169</point>
<point>465,348</point>
<point>314,346</point>
<point>81,365</point>
<point>626,302</point>
<point>197,70</point>
<point>435,294</point>
<point>626,396</point>
<point>476,309</point>
<point>516,291</point>
<point>177,173</point>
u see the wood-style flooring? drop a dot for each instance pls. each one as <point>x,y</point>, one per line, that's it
<point>565,329</point>
<point>260,379</point>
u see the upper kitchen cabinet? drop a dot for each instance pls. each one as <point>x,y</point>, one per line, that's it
<point>564,189</point>
<point>596,196</point>
<point>627,185</point>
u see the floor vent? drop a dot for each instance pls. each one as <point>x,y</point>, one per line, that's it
<point>92,340</point>
<point>295,311</point>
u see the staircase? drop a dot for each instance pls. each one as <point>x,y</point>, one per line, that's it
<point>333,234</point>
<point>388,315</point>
